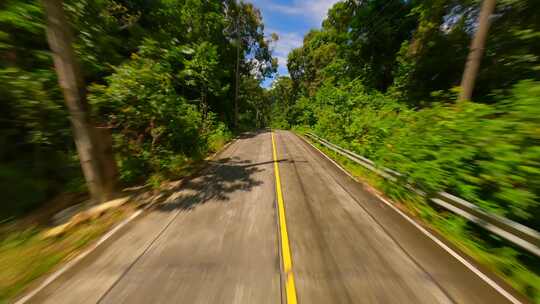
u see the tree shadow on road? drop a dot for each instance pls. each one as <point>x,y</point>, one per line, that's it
<point>216,182</point>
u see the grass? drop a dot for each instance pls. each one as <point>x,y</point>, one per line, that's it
<point>518,268</point>
<point>26,256</point>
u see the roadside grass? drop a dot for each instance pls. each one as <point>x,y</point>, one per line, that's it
<point>518,268</point>
<point>26,255</point>
<point>183,166</point>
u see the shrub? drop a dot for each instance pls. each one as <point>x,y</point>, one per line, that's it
<point>488,154</point>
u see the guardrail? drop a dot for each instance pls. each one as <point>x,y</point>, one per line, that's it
<point>518,234</point>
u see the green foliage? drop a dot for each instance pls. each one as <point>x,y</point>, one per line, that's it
<point>253,99</point>
<point>434,58</point>
<point>36,151</point>
<point>359,40</point>
<point>218,136</point>
<point>355,80</point>
<point>26,255</point>
<point>152,121</point>
<point>282,97</point>
<point>160,74</point>
<point>487,154</point>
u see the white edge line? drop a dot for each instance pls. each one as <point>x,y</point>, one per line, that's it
<point>77,259</point>
<point>458,257</point>
<point>94,246</point>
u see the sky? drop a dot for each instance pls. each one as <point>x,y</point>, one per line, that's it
<point>291,20</point>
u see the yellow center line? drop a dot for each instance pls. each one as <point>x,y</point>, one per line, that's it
<point>290,289</point>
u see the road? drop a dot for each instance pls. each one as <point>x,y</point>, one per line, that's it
<point>218,239</point>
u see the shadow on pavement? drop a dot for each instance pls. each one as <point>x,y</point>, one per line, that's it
<point>216,182</point>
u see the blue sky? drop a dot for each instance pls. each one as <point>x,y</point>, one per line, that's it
<point>290,19</point>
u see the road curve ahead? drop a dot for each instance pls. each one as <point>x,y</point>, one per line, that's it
<point>219,239</point>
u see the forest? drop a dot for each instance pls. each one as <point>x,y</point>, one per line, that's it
<point>172,81</point>
<point>160,75</point>
<point>382,79</point>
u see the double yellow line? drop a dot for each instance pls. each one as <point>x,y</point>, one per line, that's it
<point>290,289</point>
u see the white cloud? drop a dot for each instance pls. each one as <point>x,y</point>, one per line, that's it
<point>287,41</point>
<point>311,11</point>
<point>314,10</point>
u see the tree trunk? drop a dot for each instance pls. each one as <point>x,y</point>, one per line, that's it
<point>70,79</point>
<point>476,51</point>
<point>204,108</point>
<point>237,77</point>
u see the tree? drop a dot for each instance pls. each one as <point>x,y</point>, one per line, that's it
<point>201,71</point>
<point>254,102</point>
<point>160,75</point>
<point>476,50</point>
<point>74,89</point>
<point>282,97</point>
<point>253,54</point>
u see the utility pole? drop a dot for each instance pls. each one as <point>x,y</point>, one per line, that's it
<point>71,81</point>
<point>476,50</point>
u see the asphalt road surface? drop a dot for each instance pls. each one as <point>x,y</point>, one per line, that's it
<point>218,239</point>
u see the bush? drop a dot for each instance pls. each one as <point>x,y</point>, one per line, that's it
<point>488,154</point>
<point>36,154</point>
<point>156,130</point>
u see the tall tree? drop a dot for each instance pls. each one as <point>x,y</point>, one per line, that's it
<point>476,50</point>
<point>74,89</point>
<point>253,54</point>
<point>237,67</point>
